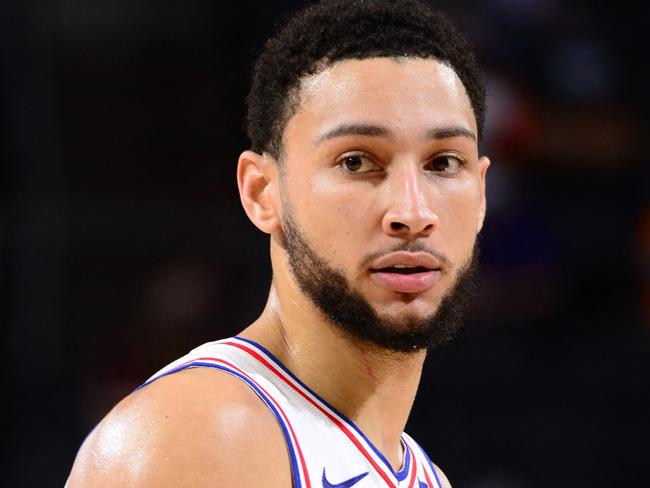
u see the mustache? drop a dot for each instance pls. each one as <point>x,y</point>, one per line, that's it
<point>415,246</point>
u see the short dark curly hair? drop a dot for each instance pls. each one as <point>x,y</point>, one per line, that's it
<point>333,30</point>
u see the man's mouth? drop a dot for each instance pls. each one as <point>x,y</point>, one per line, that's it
<point>403,269</point>
<point>405,280</point>
<point>406,272</point>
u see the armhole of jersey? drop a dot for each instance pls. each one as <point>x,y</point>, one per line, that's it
<point>266,399</point>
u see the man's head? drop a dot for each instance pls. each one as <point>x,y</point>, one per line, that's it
<point>364,118</point>
<point>335,30</point>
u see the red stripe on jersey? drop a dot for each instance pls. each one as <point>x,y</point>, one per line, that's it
<point>431,485</point>
<point>413,468</point>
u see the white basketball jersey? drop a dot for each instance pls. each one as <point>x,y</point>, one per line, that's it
<point>325,448</point>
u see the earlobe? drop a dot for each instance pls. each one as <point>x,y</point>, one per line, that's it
<point>484,164</point>
<point>256,179</point>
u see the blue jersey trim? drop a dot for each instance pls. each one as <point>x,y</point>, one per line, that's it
<point>403,473</point>
<point>400,475</point>
<point>292,455</point>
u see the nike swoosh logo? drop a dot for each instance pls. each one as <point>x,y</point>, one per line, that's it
<point>343,484</point>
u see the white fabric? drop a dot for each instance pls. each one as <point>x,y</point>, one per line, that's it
<point>326,449</point>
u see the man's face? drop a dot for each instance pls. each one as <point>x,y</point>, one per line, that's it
<point>383,187</point>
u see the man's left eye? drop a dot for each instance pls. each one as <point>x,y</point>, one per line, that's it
<point>446,163</point>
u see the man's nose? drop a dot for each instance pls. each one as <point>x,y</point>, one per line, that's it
<point>409,213</point>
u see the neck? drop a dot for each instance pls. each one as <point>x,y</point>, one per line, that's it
<point>373,387</point>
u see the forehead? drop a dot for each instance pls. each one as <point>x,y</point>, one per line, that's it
<point>405,94</point>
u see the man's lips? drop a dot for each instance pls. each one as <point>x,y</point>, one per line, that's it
<point>406,272</point>
<point>403,258</point>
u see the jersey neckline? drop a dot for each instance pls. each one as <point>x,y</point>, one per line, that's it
<point>400,474</point>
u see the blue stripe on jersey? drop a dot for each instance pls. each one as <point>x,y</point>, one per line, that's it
<point>400,475</point>
<point>403,473</point>
<point>292,455</point>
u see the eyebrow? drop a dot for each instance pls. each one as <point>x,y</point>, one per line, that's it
<point>354,130</point>
<point>379,131</point>
<point>449,132</point>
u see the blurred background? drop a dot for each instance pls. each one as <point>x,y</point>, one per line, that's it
<point>123,244</point>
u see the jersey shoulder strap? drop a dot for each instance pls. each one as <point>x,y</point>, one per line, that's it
<point>324,446</point>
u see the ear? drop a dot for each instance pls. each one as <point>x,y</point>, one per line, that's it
<point>483,165</point>
<point>257,181</point>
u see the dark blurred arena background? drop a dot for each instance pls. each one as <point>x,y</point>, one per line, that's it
<point>123,243</point>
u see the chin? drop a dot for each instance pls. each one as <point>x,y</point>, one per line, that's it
<point>426,301</point>
<point>406,309</point>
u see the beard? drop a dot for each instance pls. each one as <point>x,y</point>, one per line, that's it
<point>346,309</point>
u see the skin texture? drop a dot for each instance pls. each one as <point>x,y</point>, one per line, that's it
<point>184,430</point>
<point>174,431</point>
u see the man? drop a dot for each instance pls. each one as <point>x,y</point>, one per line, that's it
<point>364,118</point>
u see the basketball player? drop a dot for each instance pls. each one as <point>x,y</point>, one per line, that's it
<point>364,118</point>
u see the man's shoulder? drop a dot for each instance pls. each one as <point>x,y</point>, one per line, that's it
<point>197,427</point>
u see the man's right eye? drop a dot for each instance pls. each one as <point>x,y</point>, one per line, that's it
<point>357,163</point>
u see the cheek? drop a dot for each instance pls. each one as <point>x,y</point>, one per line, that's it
<point>461,210</point>
<point>332,216</point>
